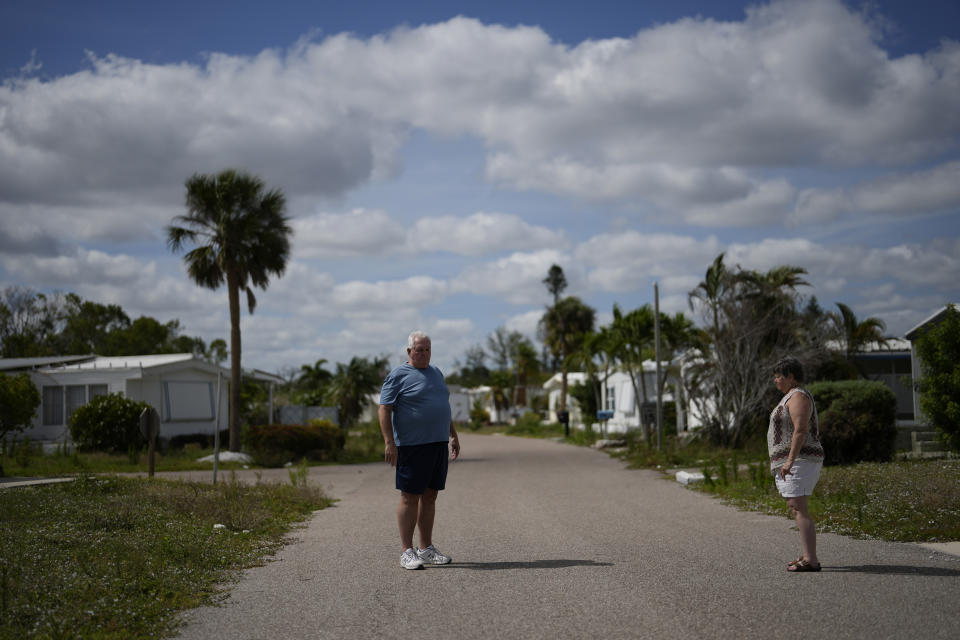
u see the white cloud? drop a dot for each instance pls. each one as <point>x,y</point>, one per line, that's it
<point>935,190</point>
<point>359,232</point>
<point>934,264</point>
<point>482,233</point>
<point>525,323</point>
<point>723,196</point>
<point>385,296</point>
<point>82,267</point>
<point>517,278</point>
<point>696,122</point>
<point>631,260</point>
<point>364,232</point>
<point>678,114</point>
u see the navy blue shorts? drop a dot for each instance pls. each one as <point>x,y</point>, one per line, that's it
<point>421,467</point>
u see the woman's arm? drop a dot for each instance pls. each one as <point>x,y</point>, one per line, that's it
<point>799,407</point>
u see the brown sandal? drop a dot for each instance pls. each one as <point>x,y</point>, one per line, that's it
<point>793,563</point>
<point>803,566</point>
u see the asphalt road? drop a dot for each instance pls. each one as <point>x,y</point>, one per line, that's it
<point>555,541</point>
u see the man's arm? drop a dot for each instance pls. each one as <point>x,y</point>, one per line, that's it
<point>385,413</point>
<point>454,441</point>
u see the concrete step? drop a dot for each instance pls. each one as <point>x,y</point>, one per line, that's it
<point>925,442</point>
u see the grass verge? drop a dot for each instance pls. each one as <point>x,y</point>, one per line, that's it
<point>363,444</point>
<point>905,501</point>
<point>29,461</point>
<point>113,557</point>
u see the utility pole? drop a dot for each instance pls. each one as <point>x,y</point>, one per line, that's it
<point>656,338</point>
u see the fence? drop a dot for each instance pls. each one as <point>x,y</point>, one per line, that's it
<point>300,414</point>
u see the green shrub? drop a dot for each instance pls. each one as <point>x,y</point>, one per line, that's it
<point>478,415</point>
<point>275,444</point>
<point>857,420</point>
<point>109,423</point>
<point>532,424</point>
<point>938,348</point>
<point>19,400</point>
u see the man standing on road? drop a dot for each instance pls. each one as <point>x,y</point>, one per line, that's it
<point>416,423</point>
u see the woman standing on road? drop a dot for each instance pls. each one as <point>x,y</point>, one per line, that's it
<point>796,455</point>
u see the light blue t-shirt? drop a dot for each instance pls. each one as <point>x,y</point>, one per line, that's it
<point>421,405</point>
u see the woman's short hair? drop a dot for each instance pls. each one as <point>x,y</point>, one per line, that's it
<point>416,335</point>
<point>789,366</point>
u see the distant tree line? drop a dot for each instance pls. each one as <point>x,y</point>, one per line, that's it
<point>34,324</point>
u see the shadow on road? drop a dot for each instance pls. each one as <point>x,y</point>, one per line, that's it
<point>895,569</point>
<point>532,564</point>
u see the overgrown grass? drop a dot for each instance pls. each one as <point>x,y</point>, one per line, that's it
<point>680,454</point>
<point>530,425</point>
<point>364,444</point>
<point>906,501</point>
<point>120,557</point>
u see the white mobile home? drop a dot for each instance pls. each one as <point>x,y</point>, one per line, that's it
<point>617,396</point>
<point>182,388</point>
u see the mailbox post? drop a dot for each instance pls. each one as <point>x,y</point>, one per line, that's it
<point>602,417</point>
<point>563,417</point>
<point>149,424</point>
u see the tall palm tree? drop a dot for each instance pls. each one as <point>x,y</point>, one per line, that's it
<point>556,282</point>
<point>241,237</point>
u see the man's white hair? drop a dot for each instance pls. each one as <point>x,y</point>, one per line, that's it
<point>416,335</point>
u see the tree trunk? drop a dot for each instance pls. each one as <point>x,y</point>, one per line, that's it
<point>233,289</point>
<point>638,401</point>
<point>562,402</point>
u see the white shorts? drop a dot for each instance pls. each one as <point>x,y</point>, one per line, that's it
<point>800,481</point>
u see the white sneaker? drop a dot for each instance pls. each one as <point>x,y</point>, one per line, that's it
<point>409,560</point>
<point>432,555</point>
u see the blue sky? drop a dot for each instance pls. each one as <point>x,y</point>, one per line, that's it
<point>438,157</point>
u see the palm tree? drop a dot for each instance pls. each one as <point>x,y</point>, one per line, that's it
<point>556,282</point>
<point>635,334</point>
<point>597,357</point>
<point>350,387</point>
<point>711,289</point>
<point>525,364</point>
<point>857,334</point>
<point>241,238</point>
<point>562,329</point>
<point>313,381</point>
